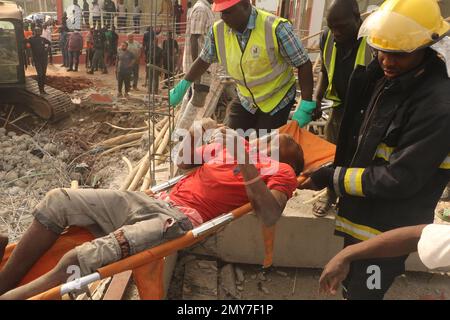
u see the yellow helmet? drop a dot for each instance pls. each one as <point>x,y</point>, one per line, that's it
<point>404,25</point>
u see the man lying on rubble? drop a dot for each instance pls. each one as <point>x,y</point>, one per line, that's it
<point>126,222</point>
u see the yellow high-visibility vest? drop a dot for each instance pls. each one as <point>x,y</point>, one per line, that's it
<point>262,75</point>
<point>363,58</point>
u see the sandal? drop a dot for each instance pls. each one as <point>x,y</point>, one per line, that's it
<point>444,214</point>
<point>325,204</point>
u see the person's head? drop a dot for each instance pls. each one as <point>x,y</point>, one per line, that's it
<point>75,2</point>
<point>136,3</point>
<point>37,31</point>
<point>189,4</point>
<point>401,30</point>
<point>235,13</point>
<point>130,37</point>
<point>124,46</point>
<point>169,35</point>
<point>288,150</point>
<point>394,64</point>
<point>343,20</point>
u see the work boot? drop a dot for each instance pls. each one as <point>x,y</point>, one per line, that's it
<point>90,72</point>
<point>69,70</point>
<point>105,72</point>
<point>119,95</point>
<point>127,95</point>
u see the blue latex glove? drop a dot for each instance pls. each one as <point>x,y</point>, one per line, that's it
<point>303,114</point>
<point>176,94</point>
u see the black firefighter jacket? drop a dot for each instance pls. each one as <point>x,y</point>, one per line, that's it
<point>393,154</point>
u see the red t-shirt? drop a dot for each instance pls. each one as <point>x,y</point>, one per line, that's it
<point>214,189</point>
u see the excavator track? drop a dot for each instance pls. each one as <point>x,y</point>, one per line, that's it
<point>53,106</point>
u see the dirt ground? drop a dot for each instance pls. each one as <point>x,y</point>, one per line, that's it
<point>75,136</point>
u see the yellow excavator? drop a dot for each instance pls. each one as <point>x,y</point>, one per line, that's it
<point>15,88</point>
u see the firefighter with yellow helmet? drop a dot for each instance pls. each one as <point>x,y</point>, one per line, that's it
<point>393,153</point>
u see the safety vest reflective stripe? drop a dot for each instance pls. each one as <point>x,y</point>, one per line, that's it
<point>355,230</point>
<point>353,182</point>
<point>446,163</point>
<point>285,81</point>
<point>363,58</point>
<point>384,151</point>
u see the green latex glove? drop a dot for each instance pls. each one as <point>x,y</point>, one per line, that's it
<point>177,93</point>
<point>303,114</point>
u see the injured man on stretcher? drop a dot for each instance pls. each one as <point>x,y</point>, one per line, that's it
<point>125,223</point>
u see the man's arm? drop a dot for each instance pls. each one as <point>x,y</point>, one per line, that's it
<point>194,45</point>
<point>293,52</point>
<point>306,81</point>
<point>198,68</point>
<point>393,243</point>
<point>267,204</point>
<point>50,53</point>
<point>191,142</point>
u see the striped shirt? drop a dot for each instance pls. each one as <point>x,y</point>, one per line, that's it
<point>291,49</point>
<point>199,20</point>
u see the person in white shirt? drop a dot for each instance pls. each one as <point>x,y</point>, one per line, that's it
<point>121,15</point>
<point>96,14</point>
<point>74,15</point>
<point>137,16</point>
<point>432,242</point>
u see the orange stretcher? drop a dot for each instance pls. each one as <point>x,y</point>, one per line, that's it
<point>148,266</point>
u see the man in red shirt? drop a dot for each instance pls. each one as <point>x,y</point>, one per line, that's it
<point>129,222</point>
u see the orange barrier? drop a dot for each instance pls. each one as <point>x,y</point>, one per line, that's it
<point>148,265</point>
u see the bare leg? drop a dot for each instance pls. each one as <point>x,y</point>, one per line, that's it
<point>34,243</point>
<point>51,279</point>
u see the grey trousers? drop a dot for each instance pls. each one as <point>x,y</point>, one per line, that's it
<point>125,219</point>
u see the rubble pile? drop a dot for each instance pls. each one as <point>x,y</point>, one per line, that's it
<point>68,84</point>
<point>29,167</point>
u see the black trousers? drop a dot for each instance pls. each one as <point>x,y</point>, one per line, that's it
<point>124,79</point>
<point>41,70</point>
<point>74,58</point>
<point>89,57</point>
<point>135,75</point>
<point>240,118</point>
<point>98,61</point>
<point>361,281</point>
<point>137,24</point>
<point>96,21</point>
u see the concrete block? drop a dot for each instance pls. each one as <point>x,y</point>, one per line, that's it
<point>301,239</point>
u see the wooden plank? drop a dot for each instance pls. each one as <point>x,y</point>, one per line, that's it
<point>118,286</point>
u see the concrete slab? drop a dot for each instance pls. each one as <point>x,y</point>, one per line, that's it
<point>301,239</point>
